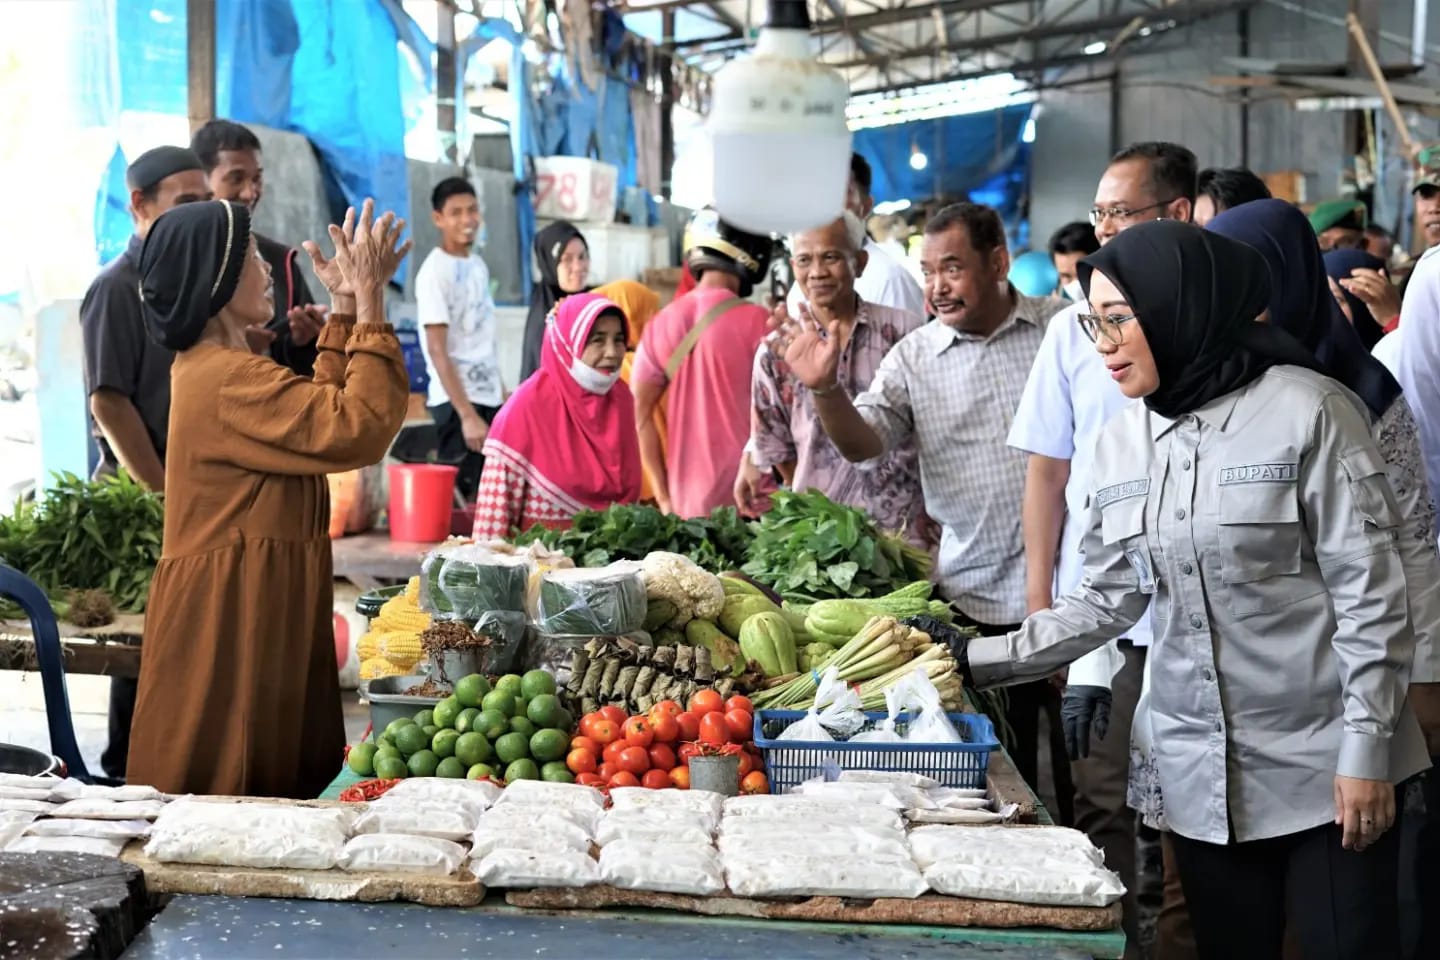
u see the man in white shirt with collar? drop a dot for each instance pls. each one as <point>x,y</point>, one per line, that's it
<point>1068,399</point>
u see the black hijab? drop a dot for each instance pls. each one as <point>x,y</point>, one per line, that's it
<point>1300,300</point>
<point>190,265</point>
<point>550,243</point>
<point>1196,295</point>
<point>1339,264</point>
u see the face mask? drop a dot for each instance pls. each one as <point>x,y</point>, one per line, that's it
<point>1073,291</point>
<point>590,379</point>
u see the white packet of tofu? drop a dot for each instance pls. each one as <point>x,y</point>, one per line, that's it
<point>902,777</point>
<point>72,789</point>
<point>956,815</point>
<point>1052,885</point>
<point>539,832</point>
<point>790,808</point>
<point>17,805</point>
<point>543,793</point>
<point>13,824</point>
<point>934,843</point>
<point>26,780</point>
<point>109,809</point>
<point>804,876</point>
<point>103,829</point>
<point>928,722</point>
<point>752,834</point>
<point>704,802</point>
<point>402,853</point>
<point>521,814</point>
<point>664,867</point>
<point>100,846</point>
<point>681,827</point>
<point>837,711</point>
<point>885,732</point>
<point>892,796</point>
<point>439,820</point>
<point>479,795</point>
<point>525,868</point>
<point>222,845</point>
<point>24,793</point>
<point>186,812</point>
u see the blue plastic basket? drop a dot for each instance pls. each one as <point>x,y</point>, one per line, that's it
<point>789,763</point>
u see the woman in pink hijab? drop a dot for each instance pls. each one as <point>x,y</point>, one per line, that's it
<point>565,441</point>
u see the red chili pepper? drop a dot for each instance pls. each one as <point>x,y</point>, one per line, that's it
<point>367,790</point>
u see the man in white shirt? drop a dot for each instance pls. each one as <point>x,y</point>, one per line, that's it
<point>457,319</point>
<point>885,280</point>
<point>1068,399</point>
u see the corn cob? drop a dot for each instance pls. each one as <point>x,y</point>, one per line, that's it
<point>412,592</point>
<point>396,614</point>
<point>368,645</point>
<point>377,667</point>
<point>400,647</point>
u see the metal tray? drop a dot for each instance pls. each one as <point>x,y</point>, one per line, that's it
<point>387,703</point>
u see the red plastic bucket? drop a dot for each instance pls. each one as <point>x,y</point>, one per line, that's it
<point>421,498</point>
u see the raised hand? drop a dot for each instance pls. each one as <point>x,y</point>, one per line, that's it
<point>327,269</point>
<point>813,353</point>
<point>367,252</point>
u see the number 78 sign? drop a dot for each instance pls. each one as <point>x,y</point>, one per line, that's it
<point>574,188</point>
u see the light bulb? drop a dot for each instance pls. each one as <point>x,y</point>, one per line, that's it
<point>918,160</point>
<point>777,125</point>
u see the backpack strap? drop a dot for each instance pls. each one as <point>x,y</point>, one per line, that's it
<point>692,337</point>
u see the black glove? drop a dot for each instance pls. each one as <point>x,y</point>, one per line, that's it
<point>1084,709</point>
<point>956,641</point>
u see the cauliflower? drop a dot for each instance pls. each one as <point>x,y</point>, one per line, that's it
<point>695,594</point>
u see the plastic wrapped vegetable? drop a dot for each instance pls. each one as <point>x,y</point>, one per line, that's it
<point>466,581</point>
<point>605,602</point>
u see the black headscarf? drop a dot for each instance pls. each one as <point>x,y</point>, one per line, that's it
<point>190,265</point>
<point>1339,264</point>
<point>1300,299</point>
<point>1196,295</point>
<point>550,243</point>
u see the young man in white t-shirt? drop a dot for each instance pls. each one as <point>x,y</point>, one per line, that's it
<point>457,319</point>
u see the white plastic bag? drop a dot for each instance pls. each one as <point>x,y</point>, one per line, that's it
<point>668,868</point>
<point>14,805</point>
<point>787,874</point>
<point>698,801</point>
<point>570,796</point>
<point>530,831</point>
<point>264,835</point>
<point>903,777</point>
<point>793,809</point>
<point>963,816</point>
<point>678,826</point>
<point>479,795</point>
<point>521,814</point>
<point>13,824</point>
<point>72,789</point>
<point>837,711</point>
<point>524,868</point>
<point>744,834</point>
<point>928,722</point>
<point>400,853</point>
<point>1054,884</point>
<point>96,845</point>
<point>256,817</point>
<point>935,843</point>
<point>109,809</point>
<point>104,829</point>
<point>24,793</point>
<point>885,732</point>
<point>25,780</point>
<point>890,796</point>
<point>439,820</point>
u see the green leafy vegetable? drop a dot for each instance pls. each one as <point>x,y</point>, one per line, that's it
<point>630,532</point>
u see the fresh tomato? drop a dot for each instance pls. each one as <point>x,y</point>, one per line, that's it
<point>655,780</point>
<point>604,731</point>
<point>585,743</point>
<point>587,724</point>
<point>689,726</point>
<point>754,782</point>
<point>589,779</point>
<point>707,701</point>
<point>614,714</point>
<point>611,753</point>
<point>739,702</point>
<point>606,771</point>
<point>581,761</point>
<point>624,778</point>
<point>747,763</point>
<point>666,727</point>
<point>668,707</point>
<point>741,724</point>
<point>661,757</point>
<point>638,732</point>
<point>713,729</point>
<point>680,778</point>
<point>633,759</point>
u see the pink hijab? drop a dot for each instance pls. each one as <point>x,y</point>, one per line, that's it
<point>579,448</point>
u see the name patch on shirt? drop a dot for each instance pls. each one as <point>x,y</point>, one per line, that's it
<point>1121,491</point>
<point>1260,473</point>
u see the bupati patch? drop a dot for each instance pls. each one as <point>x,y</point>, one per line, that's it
<point>1259,473</point>
<point>1121,491</point>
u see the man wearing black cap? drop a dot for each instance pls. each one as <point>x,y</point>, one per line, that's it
<point>230,156</point>
<point>127,375</point>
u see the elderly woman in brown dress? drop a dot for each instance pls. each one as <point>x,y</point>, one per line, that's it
<point>239,692</point>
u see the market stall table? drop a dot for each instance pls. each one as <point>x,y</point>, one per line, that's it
<point>112,650</point>
<point>370,560</point>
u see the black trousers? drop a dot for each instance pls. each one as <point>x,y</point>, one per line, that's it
<point>122,710</point>
<point>450,446</point>
<point>1420,872</point>
<point>1341,905</point>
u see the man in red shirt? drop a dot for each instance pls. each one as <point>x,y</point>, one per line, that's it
<point>697,355</point>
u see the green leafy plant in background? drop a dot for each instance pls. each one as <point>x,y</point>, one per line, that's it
<point>630,532</point>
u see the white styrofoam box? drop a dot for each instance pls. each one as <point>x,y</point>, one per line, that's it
<point>576,189</point>
<point>620,251</point>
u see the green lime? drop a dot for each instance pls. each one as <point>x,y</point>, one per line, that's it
<point>479,771</point>
<point>385,740</point>
<point>536,682</point>
<point>389,767</point>
<point>430,729</point>
<point>499,700</point>
<point>544,710</point>
<point>549,745</point>
<point>396,725</point>
<point>471,690</point>
<point>520,706</point>
<point>564,719</point>
<point>492,723</point>
<point>512,747</point>
<point>446,711</point>
<point>471,748</point>
<point>444,743</point>
<point>522,770</point>
<point>450,768</point>
<point>522,725</point>
<point>466,718</point>
<point>424,718</point>
<point>362,759</point>
<point>556,772</point>
<point>423,764</point>
<point>386,750</point>
<point>510,683</point>
<point>411,740</point>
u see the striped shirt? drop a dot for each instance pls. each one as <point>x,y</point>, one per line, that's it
<point>955,393</point>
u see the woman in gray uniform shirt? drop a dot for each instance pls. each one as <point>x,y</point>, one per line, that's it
<point>1247,498</point>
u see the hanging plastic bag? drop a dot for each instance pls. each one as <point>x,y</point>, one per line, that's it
<point>885,732</point>
<point>837,712</point>
<point>928,722</point>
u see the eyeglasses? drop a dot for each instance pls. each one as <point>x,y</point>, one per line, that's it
<point>1124,214</point>
<point>1110,326</point>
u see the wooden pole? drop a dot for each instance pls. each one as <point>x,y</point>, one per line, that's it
<point>1367,54</point>
<point>446,90</point>
<point>667,104</point>
<point>200,61</point>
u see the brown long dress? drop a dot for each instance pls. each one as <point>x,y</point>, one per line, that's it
<point>239,692</point>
